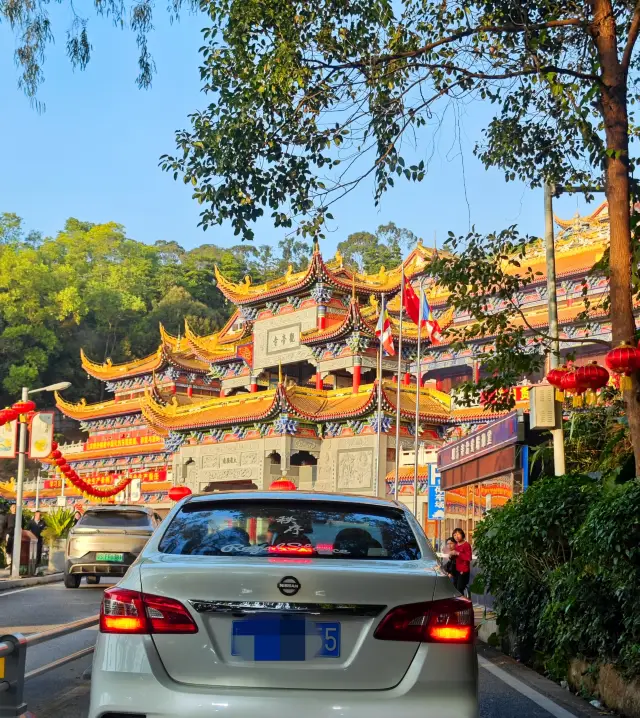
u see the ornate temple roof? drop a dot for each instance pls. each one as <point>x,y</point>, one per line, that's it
<point>333,273</point>
<point>306,403</point>
<point>173,351</point>
<point>83,411</point>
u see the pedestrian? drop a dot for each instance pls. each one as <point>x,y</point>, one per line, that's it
<point>462,553</point>
<point>10,529</point>
<point>76,517</point>
<point>450,566</point>
<point>37,525</point>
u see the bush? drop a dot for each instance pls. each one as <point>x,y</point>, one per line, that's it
<point>59,523</point>
<point>563,563</point>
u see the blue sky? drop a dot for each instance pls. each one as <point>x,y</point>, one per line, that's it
<point>94,152</point>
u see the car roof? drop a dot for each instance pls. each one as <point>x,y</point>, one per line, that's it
<point>296,496</point>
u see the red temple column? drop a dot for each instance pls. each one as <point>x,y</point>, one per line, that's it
<point>407,379</point>
<point>322,317</point>
<point>438,384</point>
<point>357,375</point>
<point>319,384</point>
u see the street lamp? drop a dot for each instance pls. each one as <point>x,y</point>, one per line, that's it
<point>22,450</point>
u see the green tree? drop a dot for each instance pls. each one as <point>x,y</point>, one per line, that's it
<point>33,28</point>
<point>368,252</point>
<point>310,99</point>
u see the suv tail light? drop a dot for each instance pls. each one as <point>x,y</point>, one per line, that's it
<point>446,621</point>
<point>125,611</point>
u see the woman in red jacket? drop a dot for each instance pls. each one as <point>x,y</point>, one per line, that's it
<point>463,560</point>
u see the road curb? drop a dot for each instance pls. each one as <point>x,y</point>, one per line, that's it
<point>8,584</point>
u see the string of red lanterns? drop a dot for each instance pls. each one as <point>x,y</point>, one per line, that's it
<point>72,475</point>
<point>622,361</point>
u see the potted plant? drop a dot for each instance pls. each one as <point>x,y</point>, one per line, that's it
<point>59,523</point>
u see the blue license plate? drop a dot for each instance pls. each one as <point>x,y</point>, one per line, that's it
<point>284,638</point>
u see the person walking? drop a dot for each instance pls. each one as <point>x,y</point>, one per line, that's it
<point>37,525</point>
<point>463,555</point>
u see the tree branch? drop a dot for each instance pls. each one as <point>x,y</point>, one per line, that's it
<point>631,38</point>
<point>461,34</point>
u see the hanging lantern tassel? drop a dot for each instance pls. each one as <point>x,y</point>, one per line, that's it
<point>577,401</point>
<point>623,360</point>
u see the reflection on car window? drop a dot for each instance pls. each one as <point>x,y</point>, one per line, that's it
<point>115,519</point>
<point>315,529</point>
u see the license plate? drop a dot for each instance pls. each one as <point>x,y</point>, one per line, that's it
<point>111,557</point>
<point>284,638</point>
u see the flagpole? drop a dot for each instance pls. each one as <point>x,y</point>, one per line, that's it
<point>376,477</point>
<point>397,476</point>
<point>417,427</point>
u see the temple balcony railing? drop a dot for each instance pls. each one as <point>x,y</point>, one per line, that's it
<point>76,447</point>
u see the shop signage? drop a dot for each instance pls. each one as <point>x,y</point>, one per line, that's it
<point>497,435</point>
<point>436,495</point>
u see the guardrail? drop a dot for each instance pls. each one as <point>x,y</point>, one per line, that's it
<point>13,659</point>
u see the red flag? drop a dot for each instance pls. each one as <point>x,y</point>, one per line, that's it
<point>411,302</point>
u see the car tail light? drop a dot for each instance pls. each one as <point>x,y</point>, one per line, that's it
<point>446,621</point>
<point>287,549</point>
<point>125,611</point>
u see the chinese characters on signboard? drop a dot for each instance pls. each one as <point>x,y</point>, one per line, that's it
<point>436,494</point>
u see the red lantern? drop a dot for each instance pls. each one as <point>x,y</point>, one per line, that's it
<point>571,385</point>
<point>177,493</point>
<point>283,485</point>
<point>56,454</point>
<point>594,377</point>
<point>623,360</point>
<point>54,445</point>
<point>23,407</point>
<point>8,415</point>
<point>60,462</point>
<point>554,377</point>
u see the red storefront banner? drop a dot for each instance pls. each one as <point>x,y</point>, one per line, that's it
<point>121,443</point>
<point>150,476</point>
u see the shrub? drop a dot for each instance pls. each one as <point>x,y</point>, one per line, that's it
<point>563,563</point>
<point>59,523</point>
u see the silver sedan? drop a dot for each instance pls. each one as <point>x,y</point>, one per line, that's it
<point>288,604</point>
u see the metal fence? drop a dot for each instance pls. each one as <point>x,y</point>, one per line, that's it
<point>13,659</point>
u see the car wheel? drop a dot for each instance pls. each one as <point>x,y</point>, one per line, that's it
<point>72,580</point>
<point>93,579</point>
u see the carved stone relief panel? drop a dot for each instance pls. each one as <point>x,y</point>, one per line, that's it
<point>355,467</point>
<point>324,480</point>
<point>212,461</point>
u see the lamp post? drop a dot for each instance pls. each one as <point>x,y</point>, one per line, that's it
<point>22,450</point>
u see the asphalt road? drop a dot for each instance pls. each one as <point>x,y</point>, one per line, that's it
<point>507,690</point>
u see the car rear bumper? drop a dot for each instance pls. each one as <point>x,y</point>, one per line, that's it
<point>128,678</point>
<point>88,565</point>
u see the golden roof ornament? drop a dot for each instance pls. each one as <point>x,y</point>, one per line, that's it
<point>289,273</point>
<point>373,302</point>
<point>382,274</point>
<point>339,258</point>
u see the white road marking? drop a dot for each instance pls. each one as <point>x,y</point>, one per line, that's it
<point>17,590</point>
<point>553,708</point>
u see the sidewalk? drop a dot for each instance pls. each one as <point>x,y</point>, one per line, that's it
<point>7,583</point>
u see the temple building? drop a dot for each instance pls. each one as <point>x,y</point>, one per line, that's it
<point>289,387</point>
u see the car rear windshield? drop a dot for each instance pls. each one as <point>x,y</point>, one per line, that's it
<point>115,519</point>
<point>316,529</point>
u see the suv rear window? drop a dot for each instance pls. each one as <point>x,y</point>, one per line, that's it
<point>315,529</point>
<point>115,519</point>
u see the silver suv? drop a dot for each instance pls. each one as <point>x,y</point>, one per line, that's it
<point>106,541</point>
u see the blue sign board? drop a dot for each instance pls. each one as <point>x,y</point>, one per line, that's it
<point>436,494</point>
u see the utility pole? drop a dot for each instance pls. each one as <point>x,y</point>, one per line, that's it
<point>552,299</point>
